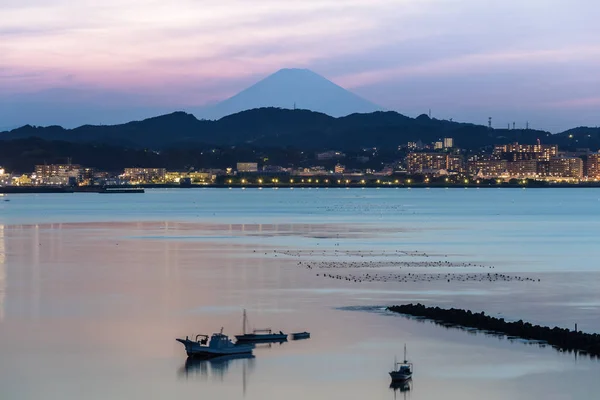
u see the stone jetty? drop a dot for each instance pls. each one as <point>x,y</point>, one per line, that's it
<point>560,338</point>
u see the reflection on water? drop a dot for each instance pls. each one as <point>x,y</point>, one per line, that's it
<point>401,387</point>
<point>268,344</point>
<point>500,336</point>
<point>217,367</point>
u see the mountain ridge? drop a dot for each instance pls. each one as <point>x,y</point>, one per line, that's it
<point>274,127</point>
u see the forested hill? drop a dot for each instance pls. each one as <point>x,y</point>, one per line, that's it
<point>274,127</point>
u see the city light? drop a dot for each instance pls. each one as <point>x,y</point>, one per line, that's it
<point>260,181</point>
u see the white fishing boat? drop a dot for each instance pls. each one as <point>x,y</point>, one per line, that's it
<point>402,370</point>
<point>218,345</point>
<point>259,335</point>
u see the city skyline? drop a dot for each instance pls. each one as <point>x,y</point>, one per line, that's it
<point>465,60</point>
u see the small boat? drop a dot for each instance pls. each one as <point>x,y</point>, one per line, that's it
<point>259,335</point>
<point>402,371</point>
<point>219,345</point>
<point>300,335</point>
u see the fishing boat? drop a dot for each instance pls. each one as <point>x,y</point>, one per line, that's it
<point>402,370</point>
<point>300,335</point>
<point>259,335</point>
<point>219,345</point>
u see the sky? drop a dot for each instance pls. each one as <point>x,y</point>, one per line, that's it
<point>108,61</point>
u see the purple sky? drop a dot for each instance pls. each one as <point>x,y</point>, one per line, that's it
<point>70,62</point>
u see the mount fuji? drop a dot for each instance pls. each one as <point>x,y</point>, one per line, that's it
<point>293,88</point>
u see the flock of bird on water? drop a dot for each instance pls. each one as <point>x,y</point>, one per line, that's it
<point>322,261</point>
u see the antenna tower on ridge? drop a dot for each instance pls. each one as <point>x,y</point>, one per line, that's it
<point>490,122</point>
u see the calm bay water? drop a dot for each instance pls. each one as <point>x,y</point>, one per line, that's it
<point>95,288</point>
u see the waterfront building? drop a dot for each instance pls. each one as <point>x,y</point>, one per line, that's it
<point>566,168</point>
<point>145,174</point>
<point>419,162</point>
<point>518,152</point>
<point>592,166</point>
<point>543,168</point>
<point>202,176</point>
<point>339,169</point>
<point>487,168</point>
<point>247,167</point>
<point>522,168</point>
<point>5,179</point>
<point>57,174</point>
<point>455,163</point>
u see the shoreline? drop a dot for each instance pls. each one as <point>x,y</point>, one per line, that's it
<point>140,188</point>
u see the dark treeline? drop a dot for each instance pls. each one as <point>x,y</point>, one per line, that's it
<point>22,155</point>
<point>560,338</point>
<point>302,129</point>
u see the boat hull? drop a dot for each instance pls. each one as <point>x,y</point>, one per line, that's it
<point>196,350</point>
<point>300,335</point>
<point>254,338</point>
<point>400,376</point>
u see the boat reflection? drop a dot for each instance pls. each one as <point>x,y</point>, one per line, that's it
<point>268,344</point>
<point>402,386</point>
<point>216,367</point>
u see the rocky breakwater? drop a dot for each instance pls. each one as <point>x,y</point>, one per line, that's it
<point>560,338</point>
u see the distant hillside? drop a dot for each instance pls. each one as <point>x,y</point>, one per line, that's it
<point>293,88</point>
<point>272,127</point>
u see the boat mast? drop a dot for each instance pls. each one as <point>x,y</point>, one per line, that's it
<point>244,323</point>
